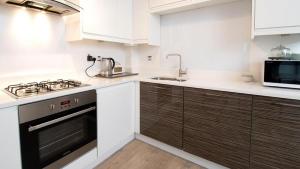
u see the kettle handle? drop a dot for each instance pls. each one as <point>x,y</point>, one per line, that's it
<point>114,63</point>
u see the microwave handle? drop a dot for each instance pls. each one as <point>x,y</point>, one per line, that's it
<point>48,123</point>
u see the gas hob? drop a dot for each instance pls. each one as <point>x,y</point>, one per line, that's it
<point>38,88</point>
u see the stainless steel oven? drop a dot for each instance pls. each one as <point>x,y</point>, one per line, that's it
<point>57,131</point>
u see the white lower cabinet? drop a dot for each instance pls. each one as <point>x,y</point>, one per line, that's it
<point>116,117</point>
<point>10,153</point>
<point>86,161</point>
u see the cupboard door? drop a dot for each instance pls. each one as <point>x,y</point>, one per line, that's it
<point>276,14</point>
<point>123,17</point>
<point>98,17</point>
<point>10,139</point>
<point>162,113</point>
<point>217,126</point>
<point>158,3</point>
<point>146,26</point>
<point>276,134</point>
<point>108,18</point>
<point>115,114</point>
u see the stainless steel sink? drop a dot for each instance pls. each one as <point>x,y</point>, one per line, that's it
<point>168,78</point>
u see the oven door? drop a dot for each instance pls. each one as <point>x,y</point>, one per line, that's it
<point>47,140</point>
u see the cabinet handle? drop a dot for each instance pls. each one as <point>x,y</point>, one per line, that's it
<point>286,104</point>
<point>211,94</point>
<point>48,123</point>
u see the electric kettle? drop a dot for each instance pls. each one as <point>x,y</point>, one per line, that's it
<point>107,66</point>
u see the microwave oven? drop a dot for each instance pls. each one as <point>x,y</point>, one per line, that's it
<point>282,73</point>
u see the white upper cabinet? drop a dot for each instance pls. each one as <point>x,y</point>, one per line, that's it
<point>106,20</point>
<point>122,21</point>
<point>146,26</point>
<point>171,6</point>
<point>124,12</point>
<point>276,17</point>
<point>158,3</point>
<point>97,16</point>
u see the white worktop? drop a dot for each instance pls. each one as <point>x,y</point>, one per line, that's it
<point>252,88</point>
<point>221,85</point>
<point>94,83</point>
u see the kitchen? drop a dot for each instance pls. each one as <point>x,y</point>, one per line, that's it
<point>202,97</point>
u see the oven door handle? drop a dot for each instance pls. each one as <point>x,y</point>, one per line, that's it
<point>48,123</point>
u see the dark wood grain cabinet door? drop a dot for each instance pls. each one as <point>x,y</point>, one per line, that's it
<point>275,134</point>
<point>217,126</point>
<point>162,112</point>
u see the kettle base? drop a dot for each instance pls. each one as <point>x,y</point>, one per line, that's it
<point>117,75</point>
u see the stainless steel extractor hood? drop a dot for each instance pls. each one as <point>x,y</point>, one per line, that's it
<point>62,7</point>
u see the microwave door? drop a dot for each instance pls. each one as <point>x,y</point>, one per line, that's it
<point>287,73</point>
<point>282,73</point>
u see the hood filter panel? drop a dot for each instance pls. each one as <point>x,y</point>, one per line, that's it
<point>52,6</point>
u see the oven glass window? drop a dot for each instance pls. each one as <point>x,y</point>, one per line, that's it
<point>61,138</point>
<point>287,72</point>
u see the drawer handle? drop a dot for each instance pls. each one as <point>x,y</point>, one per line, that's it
<point>211,94</point>
<point>286,104</point>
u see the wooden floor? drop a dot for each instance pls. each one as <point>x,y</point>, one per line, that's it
<point>139,155</point>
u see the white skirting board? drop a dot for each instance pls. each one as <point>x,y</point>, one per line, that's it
<point>195,159</point>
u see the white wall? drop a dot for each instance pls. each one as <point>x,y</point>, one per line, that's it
<point>33,42</point>
<point>215,39</point>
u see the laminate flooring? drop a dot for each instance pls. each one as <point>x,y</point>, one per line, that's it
<point>139,155</point>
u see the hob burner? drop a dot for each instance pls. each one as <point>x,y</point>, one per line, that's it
<point>36,88</point>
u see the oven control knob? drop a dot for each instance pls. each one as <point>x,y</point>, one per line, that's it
<point>76,100</point>
<point>52,106</point>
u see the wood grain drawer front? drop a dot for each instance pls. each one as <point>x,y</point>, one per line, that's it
<point>198,112</point>
<point>284,110</point>
<point>205,146</point>
<point>162,130</point>
<point>223,133</point>
<point>172,114</point>
<point>162,113</point>
<point>275,134</point>
<point>219,98</point>
<point>162,89</point>
<point>169,107</point>
<point>217,126</point>
<point>149,98</point>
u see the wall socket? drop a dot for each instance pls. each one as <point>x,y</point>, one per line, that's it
<point>91,58</point>
<point>149,58</point>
